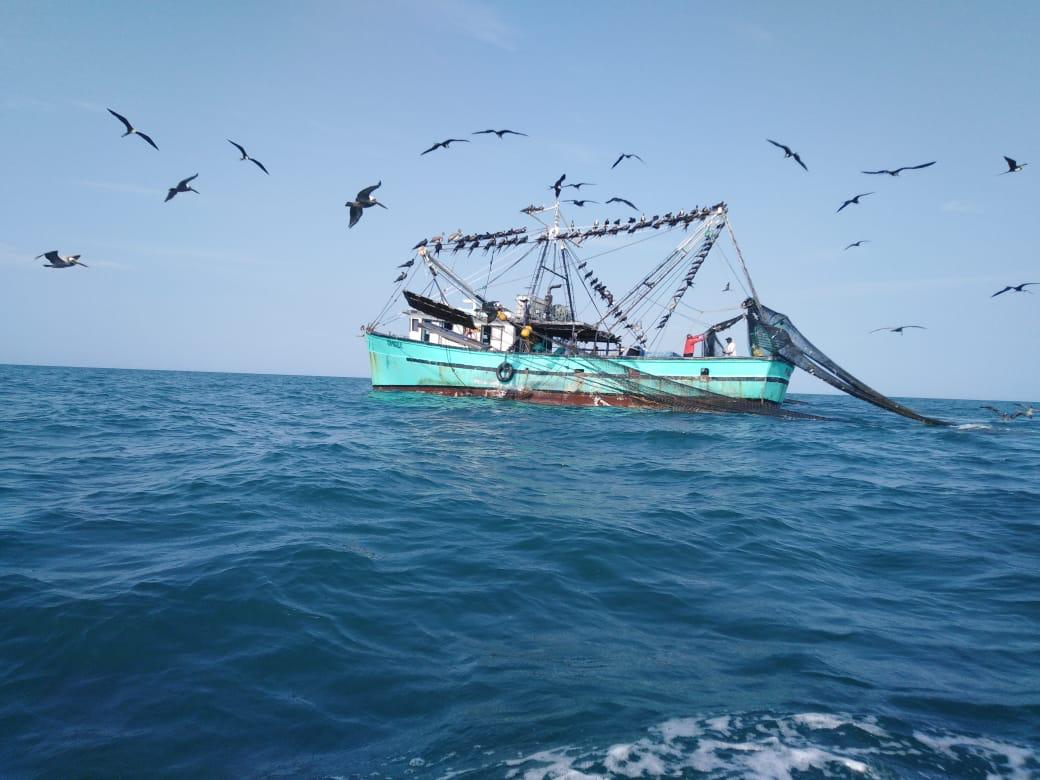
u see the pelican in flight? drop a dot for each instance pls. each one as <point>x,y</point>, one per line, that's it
<point>131,130</point>
<point>363,201</point>
<point>182,186</point>
<point>54,260</point>
<point>245,156</point>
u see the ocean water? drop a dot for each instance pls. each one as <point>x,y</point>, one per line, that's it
<point>267,576</point>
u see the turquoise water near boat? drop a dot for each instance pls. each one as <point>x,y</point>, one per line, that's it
<point>406,364</point>
<point>240,576</point>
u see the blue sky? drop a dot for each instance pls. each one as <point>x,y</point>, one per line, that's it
<point>261,273</point>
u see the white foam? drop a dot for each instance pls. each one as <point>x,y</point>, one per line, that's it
<point>634,761</point>
<point>989,750</point>
<point>824,720</point>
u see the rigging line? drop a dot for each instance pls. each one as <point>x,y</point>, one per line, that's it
<point>655,234</point>
<point>740,256</point>
<point>736,276</point>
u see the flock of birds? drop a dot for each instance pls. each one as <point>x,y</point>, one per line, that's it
<point>1013,166</point>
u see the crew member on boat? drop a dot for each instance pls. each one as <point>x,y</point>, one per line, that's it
<point>730,350</point>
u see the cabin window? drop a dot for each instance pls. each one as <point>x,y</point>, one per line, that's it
<point>485,334</point>
<point>415,324</point>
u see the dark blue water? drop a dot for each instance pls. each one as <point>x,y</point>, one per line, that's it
<point>229,575</point>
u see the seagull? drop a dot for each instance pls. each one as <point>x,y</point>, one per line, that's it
<point>245,156</point>
<point>363,201</point>
<point>499,133</point>
<point>900,329</point>
<point>1014,167</point>
<point>580,203</point>
<point>182,186</point>
<point>54,260</point>
<point>403,275</point>
<point>558,185</point>
<point>131,130</point>
<point>857,243</point>
<point>444,144</point>
<point>1004,416</point>
<point>853,200</point>
<point>626,156</point>
<point>1016,288</point>
<point>788,152</point>
<point>409,264</point>
<point>897,170</point>
<point>580,184</point>
<point>626,202</point>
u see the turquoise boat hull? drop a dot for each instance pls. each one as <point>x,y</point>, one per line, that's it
<point>405,364</point>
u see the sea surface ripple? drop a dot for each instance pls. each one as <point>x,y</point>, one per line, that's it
<point>240,576</point>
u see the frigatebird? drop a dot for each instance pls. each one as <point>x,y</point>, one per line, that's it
<point>857,243</point>
<point>580,203</point>
<point>401,277</point>
<point>900,329</point>
<point>182,186</point>
<point>853,200</point>
<point>131,130</point>
<point>1014,167</point>
<point>54,260</point>
<point>245,156</point>
<point>444,144</point>
<point>580,184</point>
<point>788,152</point>
<point>499,133</point>
<point>625,157</point>
<point>558,185</point>
<point>363,201</point>
<point>626,202</point>
<point>1015,287</point>
<point>409,264</point>
<point>897,170</point>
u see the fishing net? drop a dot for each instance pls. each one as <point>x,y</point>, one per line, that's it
<point>772,333</point>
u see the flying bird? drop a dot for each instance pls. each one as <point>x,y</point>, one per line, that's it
<point>1015,287</point>
<point>853,200</point>
<point>182,186</point>
<point>1004,416</point>
<point>625,157</point>
<point>245,156</point>
<point>788,152</point>
<point>444,144</point>
<point>897,170</point>
<point>1014,167</point>
<point>580,184</point>
<point>558,185</point>
<point>580,203</point>
<point>131,130</point>
<point>857,243</point>
<point>900,329</point>
<point>54,260</point>
<point>626,202</point>
<point>499,133</point>
<point>362,201</point>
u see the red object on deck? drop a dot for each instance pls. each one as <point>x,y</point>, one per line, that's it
<point>691,342</point>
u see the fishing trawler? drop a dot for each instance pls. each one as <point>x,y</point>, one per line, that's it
<point>566,338</point>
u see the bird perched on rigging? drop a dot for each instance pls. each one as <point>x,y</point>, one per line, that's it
<point>401,277</point>
<point>444,144</point>
<point>857,243</point>
<point>1014,167</point>
<point>182,186</point>
<point>625,157</point>
<point>580,184</point>
<point>581,203</point>
<point>131,130</point>
<point>788,152</point>
<point>1015,287</point>
<point>558,185</point>
<point>897,170</point>
<point>54,260</point>
<point>726,288</point>
<point>499,133</point>
<point>245,156</point>
<point>362,201</point>
<point>853,200</point>
<point>900,329</point>
<point>626,202</point>
<point>409,264</point>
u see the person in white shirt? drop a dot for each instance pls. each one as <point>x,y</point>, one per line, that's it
<point>730,350</point>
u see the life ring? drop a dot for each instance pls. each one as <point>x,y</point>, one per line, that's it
<point>505,371</point>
